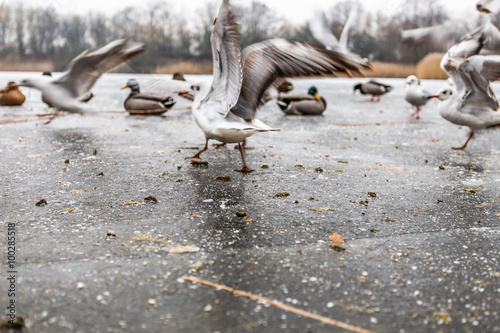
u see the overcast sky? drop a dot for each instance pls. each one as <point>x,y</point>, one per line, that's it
<point>294,10</point>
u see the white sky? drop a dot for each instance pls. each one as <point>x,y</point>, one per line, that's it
<point>297,11</point>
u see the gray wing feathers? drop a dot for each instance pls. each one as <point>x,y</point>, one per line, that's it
<point>226,54</point>
<point>87,68</point>
<point>265,62</point>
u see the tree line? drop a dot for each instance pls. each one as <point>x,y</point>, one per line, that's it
<point>41,33</point>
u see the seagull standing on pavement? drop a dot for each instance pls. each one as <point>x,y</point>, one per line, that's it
<point>225,110</point>
<point>416,95</point>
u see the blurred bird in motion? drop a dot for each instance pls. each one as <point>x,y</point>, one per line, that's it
<point>64,93</point>
<point>226,109</point>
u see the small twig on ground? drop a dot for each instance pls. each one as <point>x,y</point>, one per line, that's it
<point>300,312</point>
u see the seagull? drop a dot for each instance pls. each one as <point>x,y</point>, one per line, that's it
<point>83,99</point>
<point>415,95</point>
<point>470,101</point>
<point>83,71</point>
<point>225,110</point>
<point>374,88</point>
<point>488,6</point>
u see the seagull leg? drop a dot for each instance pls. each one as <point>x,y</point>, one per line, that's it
<point>220,144</point>
<point>53,116</point>
<point>197,155</point>
<point>416,114</point>
<point>245,168</point>
<point>466,142</point>
<point>243,144</point>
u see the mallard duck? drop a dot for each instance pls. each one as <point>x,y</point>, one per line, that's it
<point>82,73</point>
<point>374,88</point>
<point>11,95</point>
<point>415,95</point>
<point>303,104</point>
<point>139,101</point>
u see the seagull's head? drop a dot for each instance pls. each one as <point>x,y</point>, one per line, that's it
<point>488,6</point>
<point>30,83</point>
<point>412,80</point>
<point>314,91</point>
<point>445,93</point>
<point>133,85</point>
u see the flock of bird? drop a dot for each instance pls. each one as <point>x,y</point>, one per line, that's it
<point>225,109</point>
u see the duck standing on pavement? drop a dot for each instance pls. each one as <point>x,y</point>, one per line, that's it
<point>374,88</point>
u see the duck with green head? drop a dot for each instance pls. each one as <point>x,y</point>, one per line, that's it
<point>140,101</point>
<point>303,104</point>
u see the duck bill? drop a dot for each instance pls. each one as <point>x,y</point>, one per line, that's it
<point>316,95</point>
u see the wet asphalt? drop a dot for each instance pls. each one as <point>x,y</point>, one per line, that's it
<point>421,222</point>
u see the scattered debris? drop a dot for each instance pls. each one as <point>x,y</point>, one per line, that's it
<point>372,194</point>
<point>151,301</point>
<point>80,285</point>
<point>41,203</point>
<point>194,215</point>
<point>299,165</point>
<point>281,195</point>
<point>223,178</point>
<point>319,169</point>
<point>100,174</point>
<point>441,167</point>
<point>241,214</point>
<point>13,324</point>
<point>178,180</point>
<point>67,210</point>
<point>344,162</point>
<point>198,162</point>
<point>180,249</point>
<point>337,248</point>
<point>151,199</point>
<point>128,203</point>
<point>111,235</point>
<point>443,317</point>
<point>208,200</point>
<point>66,161</point>
<point>373,230</point>
<point>322,209</point>
<point>77,191</point>
<point>469,191</point>
<point>484,204</point>
<point>336,238</point>
<point>395,168</point>
<point>264,166</point>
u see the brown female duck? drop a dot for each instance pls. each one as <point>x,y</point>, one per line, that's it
<point>11,95</point>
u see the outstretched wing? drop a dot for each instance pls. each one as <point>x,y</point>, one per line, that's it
<point>87,68</point>
<point>477,72</point>
<point>226,52</point>
<point>265,62</point>
<point>439,37</point>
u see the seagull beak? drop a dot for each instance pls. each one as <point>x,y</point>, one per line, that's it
<point>182,92</point>
<point>433,96</point>
<point>125,87</point>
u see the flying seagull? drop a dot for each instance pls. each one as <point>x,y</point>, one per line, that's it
<point>226,109</point>
<point>470,101</point>
<point>82,73</point>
